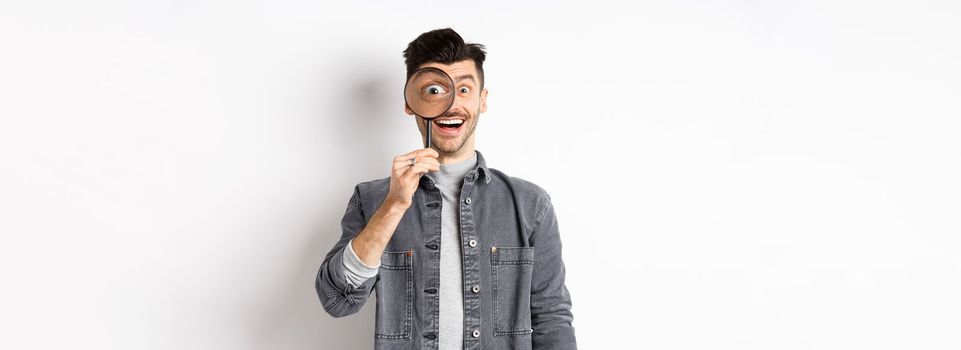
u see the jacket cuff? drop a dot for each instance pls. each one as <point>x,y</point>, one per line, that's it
<point>355,270</point>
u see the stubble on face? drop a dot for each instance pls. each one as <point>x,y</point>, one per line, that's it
<point>453,146</point>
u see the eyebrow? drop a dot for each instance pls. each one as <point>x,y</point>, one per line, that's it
<point>466,76</point>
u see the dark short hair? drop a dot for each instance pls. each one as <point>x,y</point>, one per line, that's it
<point>443,46</point>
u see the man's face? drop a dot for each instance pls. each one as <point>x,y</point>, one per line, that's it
<point>469,102</point>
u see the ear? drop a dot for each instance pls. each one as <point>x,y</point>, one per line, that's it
<point>483,101</point>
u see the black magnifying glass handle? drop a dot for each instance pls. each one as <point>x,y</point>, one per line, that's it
<point>430,125</point>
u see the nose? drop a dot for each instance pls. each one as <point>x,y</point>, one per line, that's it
<point>457,107</point>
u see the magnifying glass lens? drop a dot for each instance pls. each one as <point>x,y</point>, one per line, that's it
<point>429,92</point>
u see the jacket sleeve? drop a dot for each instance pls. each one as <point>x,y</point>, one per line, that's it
<point>339,297</point>
<point>551,315</point>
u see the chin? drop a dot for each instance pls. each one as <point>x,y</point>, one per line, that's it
<point>449,148</point>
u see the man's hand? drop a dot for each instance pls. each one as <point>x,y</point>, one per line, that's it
<point>404,177</point>
<point>370,242</point>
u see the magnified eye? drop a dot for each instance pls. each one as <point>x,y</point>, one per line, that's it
<point>464,89</point>
<point>435,89</point>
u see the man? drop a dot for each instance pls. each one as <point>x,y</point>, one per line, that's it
<point>462,256</point>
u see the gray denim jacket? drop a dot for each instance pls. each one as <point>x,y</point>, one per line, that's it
<point>514,292</point>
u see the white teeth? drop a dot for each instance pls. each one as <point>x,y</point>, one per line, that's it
<point>451,121</point>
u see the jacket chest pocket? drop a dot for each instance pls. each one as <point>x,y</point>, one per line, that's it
<point>511,272</point>
<point>395,288</point>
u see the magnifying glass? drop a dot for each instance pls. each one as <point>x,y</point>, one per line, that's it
<point>429,92</point>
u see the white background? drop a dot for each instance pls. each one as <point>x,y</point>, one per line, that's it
<point>727,174</point>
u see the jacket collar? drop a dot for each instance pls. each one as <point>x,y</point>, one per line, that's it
<point>482,167</point>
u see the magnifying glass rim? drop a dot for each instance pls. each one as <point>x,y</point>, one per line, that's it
<point>451,80</point>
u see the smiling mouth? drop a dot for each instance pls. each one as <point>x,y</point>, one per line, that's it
<point>449,126</point>
<point>450,123</point>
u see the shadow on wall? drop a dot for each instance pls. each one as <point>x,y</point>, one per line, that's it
<point>359,124</point>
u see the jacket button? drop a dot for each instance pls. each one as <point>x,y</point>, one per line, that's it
<point>475,333</point>
<point>467,200</point>
<point>430,290</point>
<point>476,289</point>
<point>472,243</point>
<point>432,246</point>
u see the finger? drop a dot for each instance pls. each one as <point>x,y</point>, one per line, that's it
<point>414,174</point>
<point>430,163</point>
<point>417,170</point>
<point>404,158</point>
<point>403,163</point>
<point>423,152</point>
